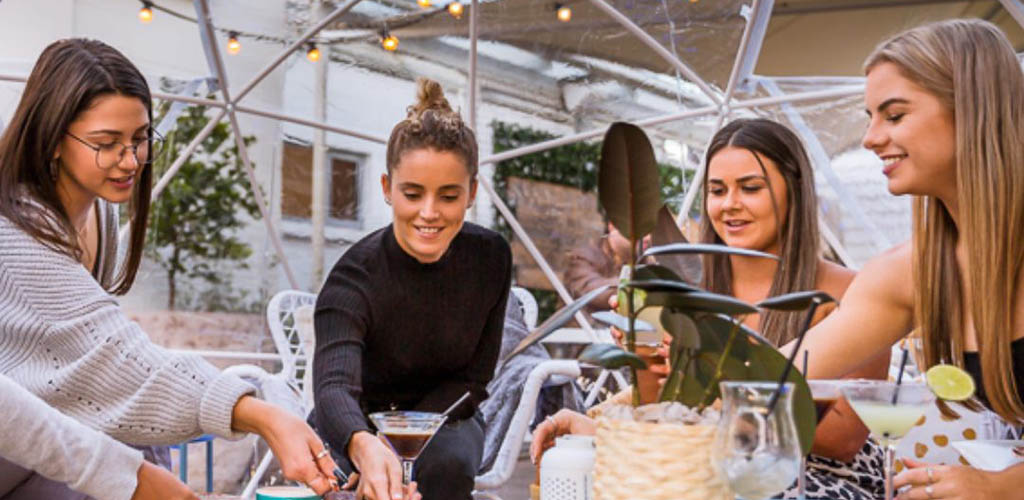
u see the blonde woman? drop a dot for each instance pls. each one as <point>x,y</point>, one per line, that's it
<point>946,108</point>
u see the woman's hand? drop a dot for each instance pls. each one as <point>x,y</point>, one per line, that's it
<point>380,470</point>
<point>157,483</point>
<point>561,423</point>
<point>957,482</point>
<point>302,454</point>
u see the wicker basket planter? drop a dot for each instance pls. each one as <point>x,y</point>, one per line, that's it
<point>650,461</point>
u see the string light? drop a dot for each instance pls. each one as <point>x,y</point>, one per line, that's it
<point>312,53</point>
<point>424,3</point>
<point>388,41</point>
<point>564,13</point>
<point>233,44</point>
<point>146,13</point>
<point>455,9</point>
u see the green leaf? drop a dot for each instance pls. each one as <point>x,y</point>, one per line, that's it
<point>660,285</point>
<point>763,362</point>
<point>610,356</point>
<point>555,321</point>
<point>655,272</point>
<point>682,328</point>
<point>704,248</point>
<point>628,182</point>
<point>796,301</point>
<point>612,318</point>
<point>666,232</point>
<point>700,302</point>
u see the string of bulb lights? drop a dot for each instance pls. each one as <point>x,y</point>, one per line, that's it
<point>388,41</point>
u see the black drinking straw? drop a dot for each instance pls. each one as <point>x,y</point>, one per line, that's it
<point>899,377</point>
<point>815,302</point>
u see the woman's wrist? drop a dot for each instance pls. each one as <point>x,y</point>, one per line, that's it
<point>358,444</point>
<point>251,415</point>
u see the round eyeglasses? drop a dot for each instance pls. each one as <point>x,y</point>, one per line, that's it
<point>108,155</point>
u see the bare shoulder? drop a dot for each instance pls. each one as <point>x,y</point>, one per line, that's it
<point>889,274</point>
<point>833,278</point>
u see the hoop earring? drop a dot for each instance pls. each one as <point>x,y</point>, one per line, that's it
<point>387,200</point>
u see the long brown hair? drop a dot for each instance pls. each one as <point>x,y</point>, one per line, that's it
<point>431,123</point>
<point>970,66</point>
<point>798,228</point>
<point>67,78</point>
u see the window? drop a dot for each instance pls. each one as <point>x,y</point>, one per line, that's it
<point>297,178</point>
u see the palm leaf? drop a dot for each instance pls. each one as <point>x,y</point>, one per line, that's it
<point>704,248</point>
<point>559,318</point>
<point>610,357</point>
<point>612,318</point>
<point>700,302</point>
<point>796,301</point>
<point>628,183</point>
<point>666,232</point>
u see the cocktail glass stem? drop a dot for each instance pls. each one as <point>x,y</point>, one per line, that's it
<point>801,480</point>
<point>890,459</point>
<point>406,471</point>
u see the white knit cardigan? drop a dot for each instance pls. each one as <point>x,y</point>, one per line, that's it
<point>66,340</point>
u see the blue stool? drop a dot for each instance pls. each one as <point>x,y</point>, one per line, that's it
<point>183,459</point>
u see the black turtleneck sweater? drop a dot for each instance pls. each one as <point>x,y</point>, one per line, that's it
<point>394,333</point>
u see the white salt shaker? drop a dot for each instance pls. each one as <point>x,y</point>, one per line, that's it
<point>567,470</point>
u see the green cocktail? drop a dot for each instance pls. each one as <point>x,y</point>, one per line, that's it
<point>889,411</point>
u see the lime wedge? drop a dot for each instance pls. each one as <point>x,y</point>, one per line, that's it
<point>949,382</point>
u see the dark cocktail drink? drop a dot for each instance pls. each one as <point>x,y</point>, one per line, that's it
<point>407,444</point>
<point>408,433</point>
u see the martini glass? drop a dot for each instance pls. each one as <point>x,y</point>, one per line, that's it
<point>408,433</point>
<point>889,411</point>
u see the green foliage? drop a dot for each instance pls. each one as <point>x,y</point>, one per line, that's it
<point>194,223</point>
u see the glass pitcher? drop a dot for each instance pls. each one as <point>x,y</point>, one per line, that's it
<point>757,453</point>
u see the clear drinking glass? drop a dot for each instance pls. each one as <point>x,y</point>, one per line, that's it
<point>757,452</point>
<point>888,411</point>
<point>408,433</point>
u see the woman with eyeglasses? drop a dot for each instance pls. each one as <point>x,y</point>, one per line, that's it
<point>80,142</point>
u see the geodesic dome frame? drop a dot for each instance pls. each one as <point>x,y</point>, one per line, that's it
<point>624,29</point>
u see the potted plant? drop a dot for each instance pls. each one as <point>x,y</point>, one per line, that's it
<point>663,451</point>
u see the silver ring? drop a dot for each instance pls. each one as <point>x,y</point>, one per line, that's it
<point>931,477</point>
<point>928,491</point>
<point>551,419</point>
<point>323,453</point>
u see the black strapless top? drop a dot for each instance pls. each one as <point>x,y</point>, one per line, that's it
<point>972,364</point>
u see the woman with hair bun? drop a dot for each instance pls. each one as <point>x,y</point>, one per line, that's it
<point>410,317</point>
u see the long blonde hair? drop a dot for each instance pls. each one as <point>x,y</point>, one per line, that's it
<point>970,66</point>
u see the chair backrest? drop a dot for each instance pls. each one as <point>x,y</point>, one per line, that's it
<point>529,306</point>
<point>285,319</point>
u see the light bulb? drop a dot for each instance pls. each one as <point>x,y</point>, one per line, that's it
<point>424,3</point>
<point>233,44</point>
<point>145,14</point>
<point>390,43</point>
<point>313,54</point>
<point>455,9</point>
<point>564,13</point>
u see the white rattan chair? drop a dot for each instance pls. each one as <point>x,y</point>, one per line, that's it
<point>512,443</point>
<point>289,317</point>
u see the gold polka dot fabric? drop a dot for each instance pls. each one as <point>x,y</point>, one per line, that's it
<point>929,440</point>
